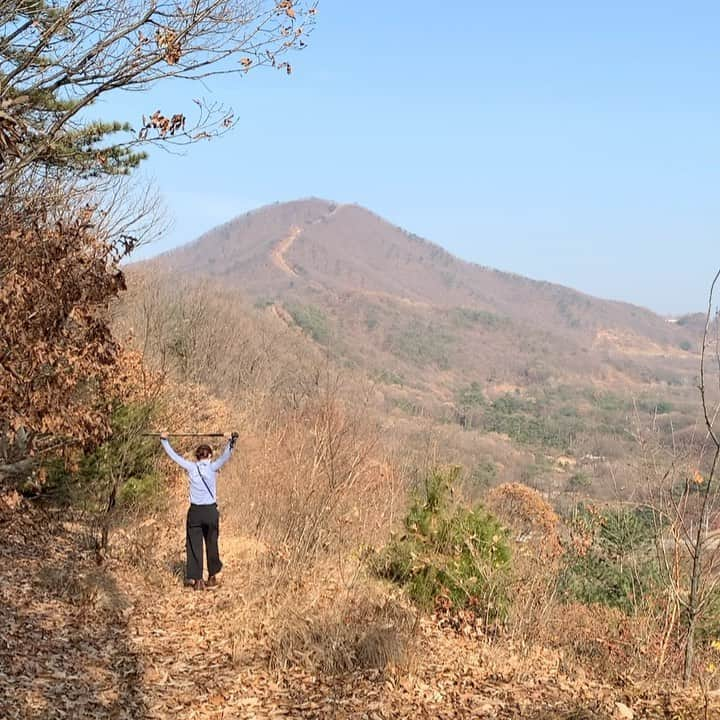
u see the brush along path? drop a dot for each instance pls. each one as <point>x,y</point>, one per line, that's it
<point>82,641</point>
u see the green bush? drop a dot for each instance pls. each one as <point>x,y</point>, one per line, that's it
<point>578,481</point>
<point>470,396</point>
<point>619,567</point>
<point>467,317</point>
<point>708,624</point>
<point>311,320</point>
<point>421,345</point>
<point>653,407</point>
<point>126,460</point>
<point>141,490</point>
<point>458,554</point>
<point>371,318</point>
<point>532,423</point>
<point>469,403</point>
<point>483,474</point>
<point>608,402</point>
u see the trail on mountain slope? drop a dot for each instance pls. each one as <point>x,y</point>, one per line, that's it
<point>280,250</point>
<point>395,298</point>
<point>277,254</point>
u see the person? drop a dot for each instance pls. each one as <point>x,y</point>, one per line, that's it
<point>203,518</point>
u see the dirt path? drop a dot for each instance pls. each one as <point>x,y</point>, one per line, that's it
<point>277,254</point>
<point>79,640</point>
<point>65,647</point>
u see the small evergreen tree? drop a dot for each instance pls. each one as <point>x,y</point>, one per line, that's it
<point>449,554</point>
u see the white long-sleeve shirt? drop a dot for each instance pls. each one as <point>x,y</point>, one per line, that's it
<point>202,474</point>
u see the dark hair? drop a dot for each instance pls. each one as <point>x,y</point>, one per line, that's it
<point>203,451</point>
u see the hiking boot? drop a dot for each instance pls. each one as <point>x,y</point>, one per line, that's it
<point>212,581</point>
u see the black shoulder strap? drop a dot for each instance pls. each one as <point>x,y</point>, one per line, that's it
<point>207,487</point>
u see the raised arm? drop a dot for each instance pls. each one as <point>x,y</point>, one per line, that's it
<point>217,464</point>
<point>179,459</point>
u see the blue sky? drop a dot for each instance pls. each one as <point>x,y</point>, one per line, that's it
<point>576,142</point>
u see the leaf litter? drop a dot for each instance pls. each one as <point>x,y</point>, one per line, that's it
<point>82,641</point>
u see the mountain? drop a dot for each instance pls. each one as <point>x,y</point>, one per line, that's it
<point>395,303</point>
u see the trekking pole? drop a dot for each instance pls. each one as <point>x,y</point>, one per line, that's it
<point>184,434</point>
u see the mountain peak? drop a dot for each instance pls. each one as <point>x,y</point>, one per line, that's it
<point>347,259</point>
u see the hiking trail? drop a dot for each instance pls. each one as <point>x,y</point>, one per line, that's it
<point>86,640</point>
<point>277,254</point>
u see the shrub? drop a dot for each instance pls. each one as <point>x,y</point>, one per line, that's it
<point>449,554</point>
<point>483,474</point>
<point>708,630</point>
<point>612,561</point>
<point>359,630</point>
<point>140,490</point>
<point>608,401</point>
<point>311,320</point>
<point>470,396</point>
<point>469,402</point>
<point>654,407</point>
<point>371,318</point>
<point>125,462</point>
<point>466,317</point>
<point>531,423</point>
<point>578,481</point>
<point>422,345</point>
<point>530,516</point>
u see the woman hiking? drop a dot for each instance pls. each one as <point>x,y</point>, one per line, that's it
<point>203,519</point>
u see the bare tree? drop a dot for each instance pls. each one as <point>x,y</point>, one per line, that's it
<point>703,574</point>
<point>684,499</point>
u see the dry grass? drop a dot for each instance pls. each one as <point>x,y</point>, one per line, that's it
<point>360,628</point>
<point>316,479</point>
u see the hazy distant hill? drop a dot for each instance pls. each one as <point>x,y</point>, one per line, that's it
<point>394,302</point>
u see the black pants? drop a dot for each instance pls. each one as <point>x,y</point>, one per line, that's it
<point>203,524</point>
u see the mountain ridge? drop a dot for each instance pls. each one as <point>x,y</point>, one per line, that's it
<point>316,201</point>
<point>345,248</point>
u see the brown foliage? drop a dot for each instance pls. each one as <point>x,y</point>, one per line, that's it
<point>57,278</point>
<point>526,512</point>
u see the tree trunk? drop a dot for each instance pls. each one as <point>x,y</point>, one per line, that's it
<point>692,608</point>
<point>105,534</point>
<point>689,651</point>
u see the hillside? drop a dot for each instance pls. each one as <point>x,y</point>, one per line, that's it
<point>384,285</point>
<point>444,341</point>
